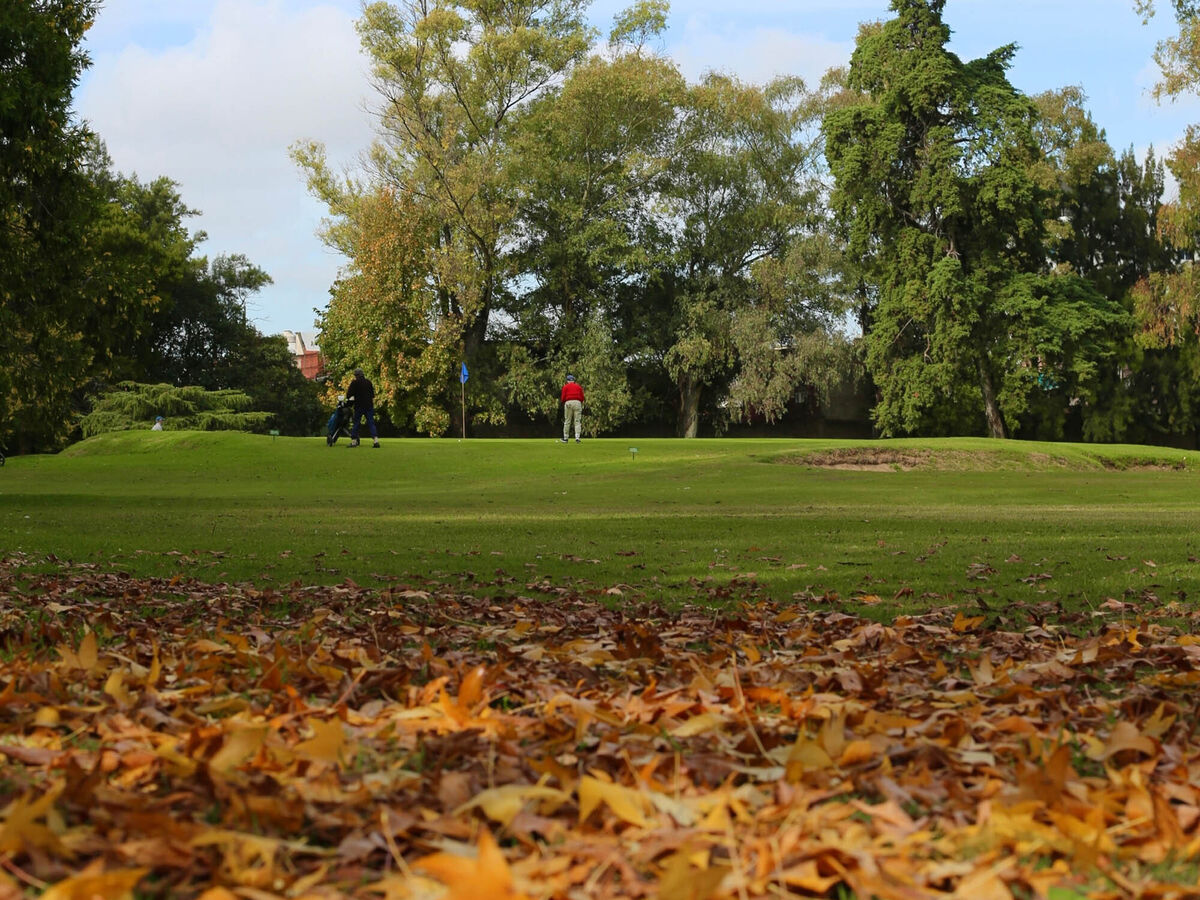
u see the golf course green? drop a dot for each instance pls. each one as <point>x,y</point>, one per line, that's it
<point>886,526</point>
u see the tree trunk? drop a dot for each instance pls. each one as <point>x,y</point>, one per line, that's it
<point>991,407</point>
<point>689,406</point>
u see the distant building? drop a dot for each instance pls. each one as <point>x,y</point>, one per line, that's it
<point>303,345</point>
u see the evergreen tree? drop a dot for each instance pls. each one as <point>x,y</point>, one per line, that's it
<point>46,208</point>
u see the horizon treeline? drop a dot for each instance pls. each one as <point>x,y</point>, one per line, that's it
<point>541,199</point>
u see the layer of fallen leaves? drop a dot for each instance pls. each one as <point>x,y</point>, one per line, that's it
<point>429,741</point>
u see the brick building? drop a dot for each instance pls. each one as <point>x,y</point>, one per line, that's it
<point>303,345</point>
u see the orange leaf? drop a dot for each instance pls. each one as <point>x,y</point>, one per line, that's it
<point>471,689</point>
<point>856,752</point>
<point>485,877</point>
<point>117,885</point>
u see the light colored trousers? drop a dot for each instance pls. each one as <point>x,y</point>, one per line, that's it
<point>572,411</point>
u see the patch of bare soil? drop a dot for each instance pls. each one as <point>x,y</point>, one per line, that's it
<point>887,459</point>
<point>866,459</point>
<point>1143,463</point>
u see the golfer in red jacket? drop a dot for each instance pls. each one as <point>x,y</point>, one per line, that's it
<point>572,401</point>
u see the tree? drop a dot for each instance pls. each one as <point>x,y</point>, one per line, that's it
<point>934,166</point>
<point>45,210</point>
<point>593,161</point>
<point>743,191</point>
<point>140,255</point>
<point>453,75</point>
<point>130,405</point>
<point>382,312</point>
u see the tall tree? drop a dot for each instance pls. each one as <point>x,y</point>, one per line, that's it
<point>743,190</point>
<point>453,76</point>
<point>593,162</point>
<point>140,255</point>
<point>45,210</point>
<point>934,169</point>
<point>382,312</point>
<point>1168,303</point>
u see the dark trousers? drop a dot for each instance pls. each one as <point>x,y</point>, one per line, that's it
<point>358,414</point>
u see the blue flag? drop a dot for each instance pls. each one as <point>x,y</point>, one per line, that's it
<point>463,375</point>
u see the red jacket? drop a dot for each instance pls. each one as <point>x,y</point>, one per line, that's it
<point>572,391</point>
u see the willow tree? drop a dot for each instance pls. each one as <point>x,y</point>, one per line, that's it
<point>453,76</point>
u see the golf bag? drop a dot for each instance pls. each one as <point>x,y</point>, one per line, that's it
<point>339,423</point>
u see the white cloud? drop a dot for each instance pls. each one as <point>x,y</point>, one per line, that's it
<point>217,114</point>
<point>756,55</point>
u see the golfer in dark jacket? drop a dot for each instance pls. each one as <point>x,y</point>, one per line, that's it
<point>362,394</point>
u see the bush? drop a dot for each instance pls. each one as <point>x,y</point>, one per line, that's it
<point>129,406</point>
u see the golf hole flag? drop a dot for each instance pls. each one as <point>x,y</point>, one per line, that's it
<point>462,377</point>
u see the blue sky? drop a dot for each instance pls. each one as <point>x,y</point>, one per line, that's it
<point>211,93</point>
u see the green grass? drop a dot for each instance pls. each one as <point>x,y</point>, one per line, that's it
<point>995,522</point>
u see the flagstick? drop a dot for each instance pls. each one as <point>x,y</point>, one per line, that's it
<point>464,408</point>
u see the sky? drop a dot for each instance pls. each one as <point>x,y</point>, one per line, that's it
<point>213,93</point>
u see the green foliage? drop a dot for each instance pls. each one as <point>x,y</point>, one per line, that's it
<point>45,211</point>
<point>141,253</point>
<point>1067,336</point>
<point>944,187</point>
<point>130,406</point>
<point>455,77</point>
<point>744,190</point>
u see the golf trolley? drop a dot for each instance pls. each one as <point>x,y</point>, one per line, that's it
<point>339,423</point>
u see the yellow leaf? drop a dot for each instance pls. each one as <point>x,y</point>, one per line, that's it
<point>239,746</point>
<point>700,724</point>
<point>626,803</point>
<point>21,828</point>
<point>984,884</point>
<point>1158,724</point>
<point>806,755</point>
<point>966,623</point>
<point>325,744</point>
<point>115,688</point>
<point>681,880</point>
<point>155,669</point>
<point>88,653</point>
<point>117,885</point>
<point>502,804</point>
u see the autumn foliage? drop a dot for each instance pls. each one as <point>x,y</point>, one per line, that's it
<point>467,741</point>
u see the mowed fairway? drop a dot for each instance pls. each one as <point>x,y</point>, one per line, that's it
<point>916,523</point>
